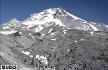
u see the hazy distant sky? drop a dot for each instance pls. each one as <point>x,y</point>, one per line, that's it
<point>92,10</point>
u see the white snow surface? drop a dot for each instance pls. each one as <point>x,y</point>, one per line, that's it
<point>64,31</point>
<point>74,17</point>
<point>42,58</point>
<point>41,19</point>
<point>39,28</point>
<point>25,52</point>
<point>50,30</point>
<point>54,39</point>
<point>76,41</point>
<point>6,27</point>
<point>31,35</point>
<point>106,26</point>
<point>46,18</point>
<point>8,32</point>
<point>82,39</point>
<point>52,33</point>
<point>95,29</point>
<point>91,32</point>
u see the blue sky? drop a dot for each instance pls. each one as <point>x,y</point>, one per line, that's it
<point>92,10</point>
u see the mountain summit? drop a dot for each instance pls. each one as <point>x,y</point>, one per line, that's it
<point>61,17</point>
<point>56,16</point>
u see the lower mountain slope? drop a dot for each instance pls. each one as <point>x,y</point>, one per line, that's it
<point>56,47</point>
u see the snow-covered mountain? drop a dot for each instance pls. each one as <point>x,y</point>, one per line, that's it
<point>54,16</point>
<point>56,39</point>
<point>61,17</point>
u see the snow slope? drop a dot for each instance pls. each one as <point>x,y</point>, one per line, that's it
<point>53,16</point>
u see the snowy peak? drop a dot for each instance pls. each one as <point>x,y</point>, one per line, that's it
<point>52,12</point>
<point>44,18</point>
<point>13,22</point>
<point>54,16</point>
<point>50,16</point>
